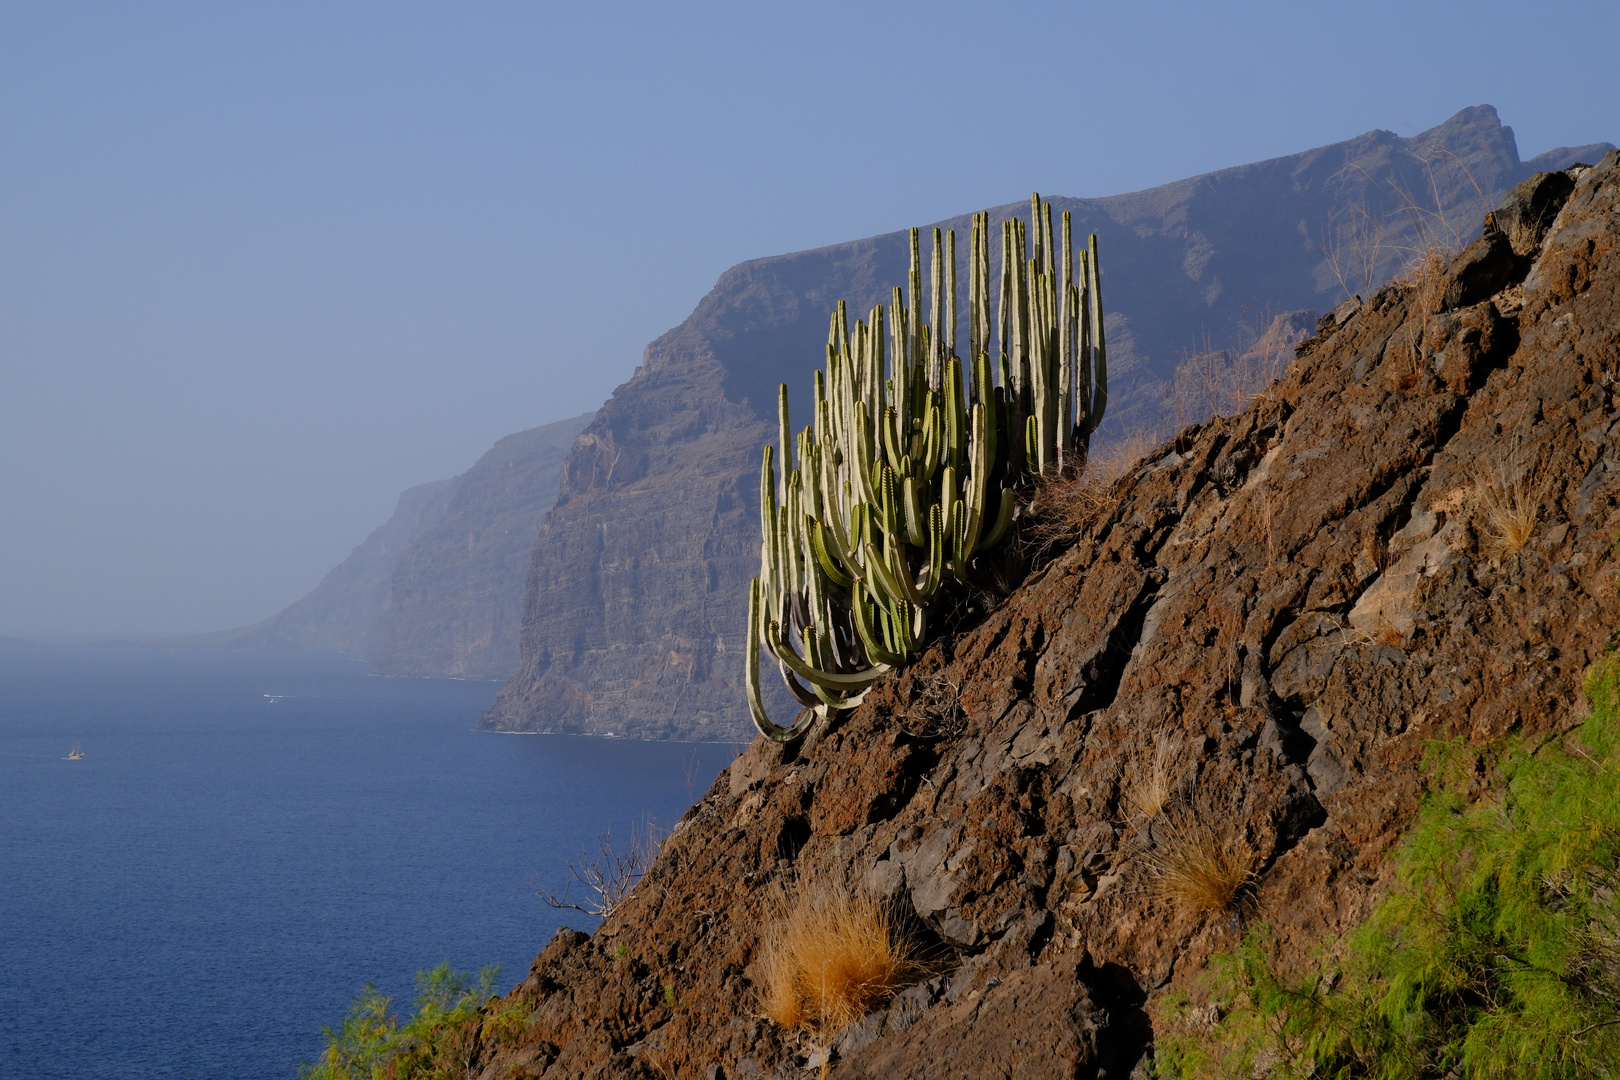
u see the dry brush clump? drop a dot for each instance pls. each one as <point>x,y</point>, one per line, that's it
<point>606,879</point>
<point>1065,503</point>
<point>832,960</point>
<point>1224,381</point>
<point>935,711</point>
<point>1152,786</point>
<point>1505,514</point>
<point>1197,866</point>
<point>1502,512</point>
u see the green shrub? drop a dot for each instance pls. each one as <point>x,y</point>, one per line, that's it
<point>1496,955</point>
<point>371,1038</point>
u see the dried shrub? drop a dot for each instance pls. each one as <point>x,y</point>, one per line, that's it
<point>1386,633</point>
<point>1406,370</point>
<point>1066,504</point>
<point>1197,867</point>
<point>1505,514</point>
<point>831,961</point>
<point>936,710</point>
<point>606,879</point>
<point>1427,278</point>
<point>1224,381</point>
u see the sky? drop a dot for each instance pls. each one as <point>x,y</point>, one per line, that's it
<point>263,266</point>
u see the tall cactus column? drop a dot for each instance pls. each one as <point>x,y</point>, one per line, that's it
<point>911,463</point>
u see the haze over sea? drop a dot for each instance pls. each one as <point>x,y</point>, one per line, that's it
<point>250,837</point>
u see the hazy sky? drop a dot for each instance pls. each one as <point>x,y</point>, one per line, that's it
<point>262,266</point>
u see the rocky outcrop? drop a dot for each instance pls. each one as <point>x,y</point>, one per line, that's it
<point>436,591</point>
<point>457,592</point>
<point>1268,618</point>
<point>633,618</point>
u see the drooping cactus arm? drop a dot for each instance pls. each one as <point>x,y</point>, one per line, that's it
<point>828,680</point>
<point>818,535</point>
<point>756,702</point>
<point>1003,519</point>
<point>801,693</point>
<point>870,634</point>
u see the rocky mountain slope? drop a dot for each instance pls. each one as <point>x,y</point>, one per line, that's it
<point>633,619</point>
<point>436,590</point>
<point>1270,616</point>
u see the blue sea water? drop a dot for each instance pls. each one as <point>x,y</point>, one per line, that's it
<point>250,837</point>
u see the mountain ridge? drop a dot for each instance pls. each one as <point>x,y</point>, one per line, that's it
<point>633,614</point>
<point>434,591</point>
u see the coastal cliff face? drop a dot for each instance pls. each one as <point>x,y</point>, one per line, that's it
<point>634,613</point>
<point>1275,610</point>
<point>437,590</point>
<point>456,593</point>
<point>348,612</point>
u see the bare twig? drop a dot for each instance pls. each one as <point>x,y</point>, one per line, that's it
<point>606,879</point>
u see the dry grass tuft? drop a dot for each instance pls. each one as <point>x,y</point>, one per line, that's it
<point>831,961</point>
<point>1406,370</point>
<point>1065,504</point>
<point>1150,789</point>
<point>1426,276</point>
<point>1198,869</point>
<point>1115,458</point>
<point>935,711</point>
<point>1505,515</point>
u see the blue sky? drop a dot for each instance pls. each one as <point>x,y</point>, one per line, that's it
<point>264,265</point>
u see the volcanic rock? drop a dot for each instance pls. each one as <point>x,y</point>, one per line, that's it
<point>1266,620</point>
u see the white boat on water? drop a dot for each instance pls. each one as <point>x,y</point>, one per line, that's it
<point>75,754</point>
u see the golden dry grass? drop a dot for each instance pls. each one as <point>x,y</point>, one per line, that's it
<point>1387,633</point>
<point>1114,459</point>
<point>1505,515</point>
<point>1198,868</point>
<point>1426,276</point>
<point>1406,370</point>
<point>829,962</point>
<point>1149,789</point>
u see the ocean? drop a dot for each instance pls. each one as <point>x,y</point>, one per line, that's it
<point>251,837</point>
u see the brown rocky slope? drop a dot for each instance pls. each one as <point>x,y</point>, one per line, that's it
<point>634,614</point>
<point>1281,606</point>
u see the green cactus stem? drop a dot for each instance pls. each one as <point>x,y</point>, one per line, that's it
<point>914,462</point>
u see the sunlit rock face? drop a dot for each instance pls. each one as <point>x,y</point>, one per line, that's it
<point>633,618</point>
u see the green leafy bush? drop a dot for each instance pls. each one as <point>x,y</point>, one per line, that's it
<point>1496,955</point>
<point>373,1044</point>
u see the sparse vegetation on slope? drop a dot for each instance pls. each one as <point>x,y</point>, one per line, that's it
<point>831,961</point>
<point>1498,954</point>
<point>373,1043</point>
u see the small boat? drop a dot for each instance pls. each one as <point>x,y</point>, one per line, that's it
<point>75,754</point>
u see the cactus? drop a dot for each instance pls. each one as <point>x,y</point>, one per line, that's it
<point>912,462</point>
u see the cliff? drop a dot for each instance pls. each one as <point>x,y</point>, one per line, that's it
<point>348,612</point>
<point>435,590</point>
<point>634,611</point>
<point>457,591</point>
<point>1271,615</point>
